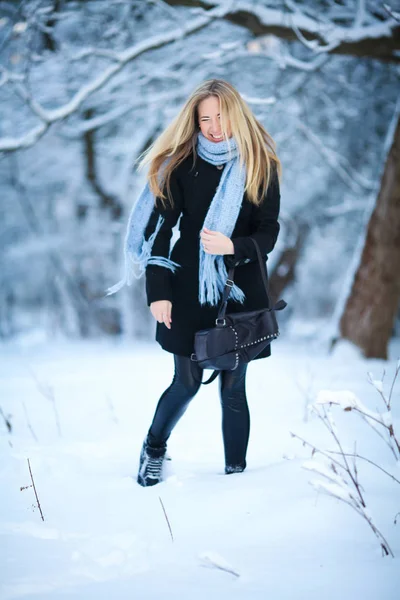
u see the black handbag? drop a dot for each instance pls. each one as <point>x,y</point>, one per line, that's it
<point>237,337</point>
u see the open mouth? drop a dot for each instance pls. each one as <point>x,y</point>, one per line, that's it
<point>216,137</point>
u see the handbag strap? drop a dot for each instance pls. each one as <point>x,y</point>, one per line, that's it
<point>227,290</point>
<point>262,267</point>
<point>209,380</point>
<point>229,282</point>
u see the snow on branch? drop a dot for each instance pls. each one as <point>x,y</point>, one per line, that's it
<point>258,17</point>
<point>339,467</point>
<point>348,401</point>
<point>343,479</point>
<point>120,60</point>
<point>366,35</point>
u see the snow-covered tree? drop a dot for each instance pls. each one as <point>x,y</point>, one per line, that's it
<point>86,86</point>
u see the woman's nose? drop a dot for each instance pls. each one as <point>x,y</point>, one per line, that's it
<point>216,126</point>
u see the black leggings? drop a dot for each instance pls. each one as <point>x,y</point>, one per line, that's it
<point>235,412</point>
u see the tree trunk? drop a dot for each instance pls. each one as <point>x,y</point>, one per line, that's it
<point>369,314</point>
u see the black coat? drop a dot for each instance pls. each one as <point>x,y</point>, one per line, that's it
<point>193,189</point>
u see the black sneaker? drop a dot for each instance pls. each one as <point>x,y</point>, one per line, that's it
<point>151,465</point>
<point>235,468</point>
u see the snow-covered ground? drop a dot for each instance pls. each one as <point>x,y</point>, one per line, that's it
<point>79,412</point>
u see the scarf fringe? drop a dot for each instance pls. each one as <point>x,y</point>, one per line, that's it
<point>142,259</point>
<point>215,276</point>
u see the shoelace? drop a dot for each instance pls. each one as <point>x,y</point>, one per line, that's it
<point>153,467</point>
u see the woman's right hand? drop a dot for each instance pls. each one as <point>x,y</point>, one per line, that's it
<point>161,310</point>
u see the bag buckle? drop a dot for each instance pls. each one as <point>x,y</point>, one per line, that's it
<point>220,319</point>
<point>229,282</point>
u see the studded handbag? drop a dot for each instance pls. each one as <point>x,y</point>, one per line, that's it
<point>237,337</point>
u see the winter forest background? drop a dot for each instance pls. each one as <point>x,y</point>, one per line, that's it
<point>86,86</point>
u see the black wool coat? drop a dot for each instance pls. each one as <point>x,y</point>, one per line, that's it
<point>192,189</point>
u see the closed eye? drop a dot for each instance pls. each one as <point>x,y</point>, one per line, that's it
<point>207,118</point>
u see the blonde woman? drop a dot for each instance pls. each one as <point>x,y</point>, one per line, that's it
<point>215,168</point>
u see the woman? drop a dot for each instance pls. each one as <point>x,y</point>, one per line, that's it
<point>216,169</point>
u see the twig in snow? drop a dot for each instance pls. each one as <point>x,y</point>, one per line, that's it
<point>212,559</point>
<point>364,418</point>
<point>48,392</point>
<point>28,423</point>
<point>349,401</point>
<point>7,420</point>
<point>166,517</point>
<point>394,380</point>
<point>371,462</point>
<point>338,486</point>
<point>34,488</point>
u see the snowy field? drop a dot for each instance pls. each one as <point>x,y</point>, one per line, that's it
<point>79,413</point>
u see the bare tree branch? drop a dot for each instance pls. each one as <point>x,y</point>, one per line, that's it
<point>380,39</point>
<point>121,59</point>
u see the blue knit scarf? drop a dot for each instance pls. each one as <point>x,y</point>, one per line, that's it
<point>221,216</point>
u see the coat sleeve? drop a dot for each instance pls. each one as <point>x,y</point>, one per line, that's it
<point>265,226</point>
<point>158,279</point>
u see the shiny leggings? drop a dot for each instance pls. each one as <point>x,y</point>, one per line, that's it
<point>235,412</point>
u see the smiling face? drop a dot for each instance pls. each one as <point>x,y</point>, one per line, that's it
<point>210,119</point>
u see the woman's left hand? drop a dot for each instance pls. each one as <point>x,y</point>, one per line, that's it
<point>215,242</point>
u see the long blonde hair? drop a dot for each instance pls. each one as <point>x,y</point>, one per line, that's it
<point>256,147</point>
